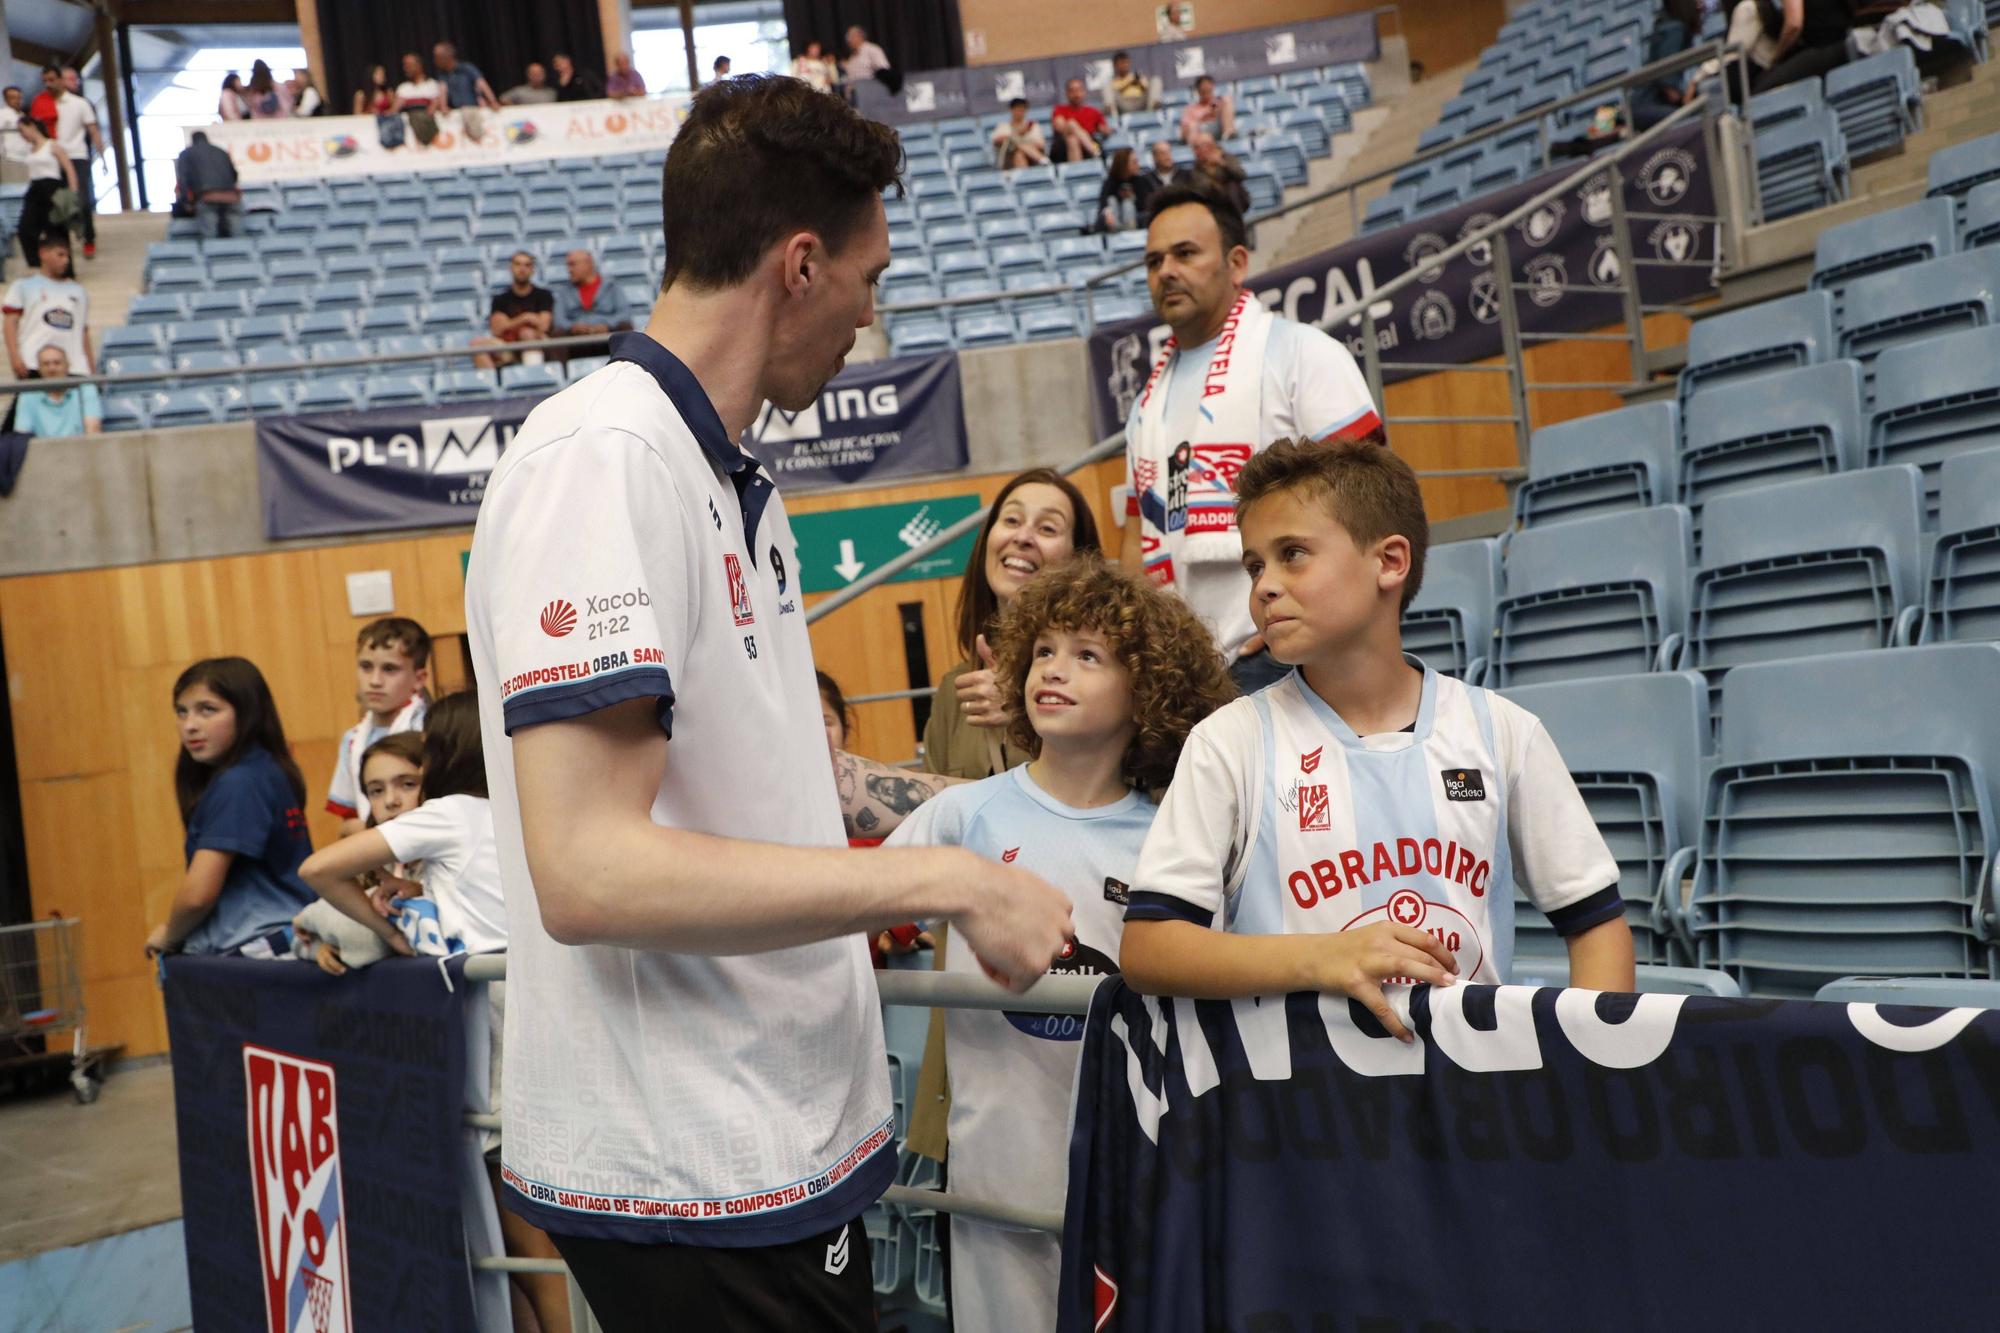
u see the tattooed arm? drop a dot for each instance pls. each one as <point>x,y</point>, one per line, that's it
<point>874,796</point>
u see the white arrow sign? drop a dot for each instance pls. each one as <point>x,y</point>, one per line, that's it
<point>849,568</point>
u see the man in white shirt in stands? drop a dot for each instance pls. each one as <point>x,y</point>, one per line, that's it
<point>696,1108</point>
<point>13,148</point>
<point>864,59</point>
<point>79,139</point>
<point>1234,377</point>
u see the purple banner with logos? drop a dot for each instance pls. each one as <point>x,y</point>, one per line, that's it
<point>1562,252</point>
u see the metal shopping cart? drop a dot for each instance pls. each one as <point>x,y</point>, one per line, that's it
<point>41,997</point>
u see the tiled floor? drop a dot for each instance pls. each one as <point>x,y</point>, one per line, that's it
<point>77,1173</point>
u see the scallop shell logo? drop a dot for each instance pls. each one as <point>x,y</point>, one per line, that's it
<point>558,618</point>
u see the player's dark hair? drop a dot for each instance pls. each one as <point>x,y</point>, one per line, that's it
<point>1369,489</point>
<point>978,608</point>
<point>454,761</point>
<point>406,636</point>
<point>1018,101</point>
<point>760,158</point>
<point>1228,219</point>
<point>237,682</point>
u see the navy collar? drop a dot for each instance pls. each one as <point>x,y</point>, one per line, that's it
<point>690,400</point>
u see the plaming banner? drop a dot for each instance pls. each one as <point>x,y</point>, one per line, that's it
<point>1537,1161</point>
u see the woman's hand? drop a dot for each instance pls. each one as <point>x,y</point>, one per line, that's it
<point>386,887</point>
<point>329,962</point>
<point>157,942</point>
<point>979,692</point>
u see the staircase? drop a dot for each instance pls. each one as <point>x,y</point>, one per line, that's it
<point>119,271</point>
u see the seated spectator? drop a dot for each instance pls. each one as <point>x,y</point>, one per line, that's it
<point>54,412</point>
<point>1079,128</point>
<point>1122,199</point>
<point>534,92</point>
<point>573,84</point>
<point>49,172</point>
<point>49,308</point>
<point>1208,107</point>
<point>465,88</point>
<point>306,100</point>
<point>1163,172</point>
<point>419,98</point>
<point>816,67</point>
<point>231,105</point>
<point>1220,171</point>
<point>205,181</point>
<point>266,98</point>
<point>590,304</point>
<point>1017,141</point>
<point>379,97</point>
<point>864,59</point>
<point>625,81</point>
<point>1128,90</point>
<point>522,312</point>
<point>1812,39</point>
<point>721,68</point>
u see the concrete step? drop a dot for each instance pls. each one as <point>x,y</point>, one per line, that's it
<point>119,271</point>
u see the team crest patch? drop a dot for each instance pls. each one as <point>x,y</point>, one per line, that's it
<point>1315,811</point>
<point>296,1189</point>
<point>1009,855</point>
<point>739,590</point>
<point>1309,761</point>
<point>1464,784</point>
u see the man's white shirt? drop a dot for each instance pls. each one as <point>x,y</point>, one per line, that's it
<point>627,549</point>
<point>73,114</point>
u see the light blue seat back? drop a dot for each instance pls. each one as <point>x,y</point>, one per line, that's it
<point>1788,426</point>
<point>1921,992</point>
<point>1596,597</point>
<point>1774,335</point>
<point>1887,240</point>
<point>1648,978</point>
<point>1789,103</point>
<point>1846,835</point>
<point>1634,745</point>
<point>1449,623</point>
<point>1944,295</point>
<point>1624,459</point>
<point>1962,603</point>
<point>1956,170</point>
<point>1981,209</point>
<point>1934,399</point>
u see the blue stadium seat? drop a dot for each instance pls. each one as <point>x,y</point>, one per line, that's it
<point>1634,746</point>
<point>1503,168</point>
<point>229,248</point>
<point>1920,992</point>
<point>131,363</point>
<point>1962,601</point>
<point>1773,335</point>
<point>1829,565</point>
<point>316,326</point>
<point>1600,464</point>
<point>1647,978</point>
<point>1594,597</point>
<point>399,389</point>
<point>467,384</point>
<point>155,308</point>
<point>1891,239</point>
<point>211,358</point>
<point>131,339</point>
<point>1878,100</point>
<point>1049,322</point>
<point>1441,190</point>
<point>1390,210</point>
<point>190,277</point>
<point>1076,250</point>
<point>1449,623</point>
<point>1981,211</point>
<point>1958,291</point>
<point>962,263</point>
<point>1954,171</point>
<point>196,334</point>
<point>337,349</point>
<point>980,328</point>
<point>303,271</point>
<point>382,320</point>
<point>1934,399</point>
<point>1802,164</point>
<point>124,410</point>
<point>1787,426</point>
<point>919,335</point>
<point>340,296</point>
<point>1841,837</point>
<point>181,407</point>
<point>1003,228</point>
<point>545,378</point>
<point>270,397</point>
<point>213,304</point>
<point>333,393</point>
<point>242,275</point>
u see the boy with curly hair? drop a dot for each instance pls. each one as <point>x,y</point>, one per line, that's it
<point>1104,677</point>
<point>1363,820</point>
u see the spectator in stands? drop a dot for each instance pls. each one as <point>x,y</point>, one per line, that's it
<point>231,106</point>
<point>205,180</point>
<point>419,98</point>
<point>465,89</point>
<point>43,108</point>
<point>378,98</point>
<point>1812,39</point>
<point>1079,128</point>
<point>1017,141</point>
<point>306,100</point>
<point>590,304</point>
<point>13,145</point>
<point>721,68</point>
<point>1128,90</point>
<point>534,91</point>
<point>266,98</point>
<point>573,84</point>
<point>49,172</point>
<point>1208,107</point>
<point>626,81</point>
<point>1221,171</point>
<point>522,312</point>
<point>242,802</point>
<point>864,59</point>
<point>816,67</point>
<point>56,412</point>
<point>1122,199</point>
<point>1163,172</point>
<point>1754,27</point>
<point>78,139</point>
<point>45,309</point>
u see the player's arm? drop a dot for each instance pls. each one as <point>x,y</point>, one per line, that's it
<point>605,873</point>
<point>201,886</point>
<point>352,825</point>
<point>1600,958</point>
<point>876,797</point>
<point>332,872</point>
<point>1132,547</point>
<point>11,326</point>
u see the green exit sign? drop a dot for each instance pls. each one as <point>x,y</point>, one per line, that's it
<point>838,546</point>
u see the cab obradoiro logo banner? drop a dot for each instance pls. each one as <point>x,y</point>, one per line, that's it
<point>295,1180</point>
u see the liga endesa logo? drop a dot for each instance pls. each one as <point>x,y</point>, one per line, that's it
<point>295,1182</point>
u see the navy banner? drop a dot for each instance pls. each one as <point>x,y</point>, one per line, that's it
<point>1563,252</point>
<point>394,467</point>
<point>875,420</point>
<point>1539,1160</point>
<point>326,1170</point>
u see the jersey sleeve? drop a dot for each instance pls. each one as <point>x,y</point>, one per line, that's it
<point>938,822</point>
<point>427,833</point>
<point>1330,395</point>
<point>236,816</point>
<point>1559,857</point>
<point>16,299</point>
<point>591,592</point>
<point>1197,835</point>
<point>341,797</point>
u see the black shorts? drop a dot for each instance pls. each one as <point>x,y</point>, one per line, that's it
<point>822,1284</point>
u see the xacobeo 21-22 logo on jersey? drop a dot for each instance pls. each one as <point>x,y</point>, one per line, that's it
<point>558,618</point>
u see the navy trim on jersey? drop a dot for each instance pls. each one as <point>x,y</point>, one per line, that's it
<point>1165,907</point>
<point>843,1203</point>
<point>556,703</point>
<point>753,488</point>
<point>1581,915</point>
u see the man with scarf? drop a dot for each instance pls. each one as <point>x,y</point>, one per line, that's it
<point>1231,379</point>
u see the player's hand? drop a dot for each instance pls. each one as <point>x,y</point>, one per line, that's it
<point>329,962</point>
<point>400,944</point>
<point>1018,925</point>
<point>1358,962</point>
<point>20,369</point>
<point>388,887</point>
<point>979,691</point>
<point>156,941</point>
